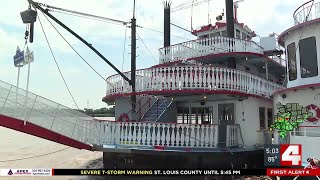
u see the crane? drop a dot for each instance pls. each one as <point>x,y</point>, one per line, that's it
<point>188,4</point>
<point>236,5</point>
<point>41,6</point>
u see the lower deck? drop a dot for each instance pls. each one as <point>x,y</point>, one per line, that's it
<point>147,159</point>
<point>188,123</point>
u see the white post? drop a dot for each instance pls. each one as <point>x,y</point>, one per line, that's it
<point>27,91</point>
<point>17,91</point>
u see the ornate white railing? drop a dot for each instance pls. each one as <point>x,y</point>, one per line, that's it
<point>42,112</point>
<point>192,78</point>
<point>152,134</point>
<point>307,12</point>
<point>206,46</point>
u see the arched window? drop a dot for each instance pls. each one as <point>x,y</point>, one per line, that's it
<point>292,62</point>
<point>308,57</point>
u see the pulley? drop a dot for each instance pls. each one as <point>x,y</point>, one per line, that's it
<point>28,16</point>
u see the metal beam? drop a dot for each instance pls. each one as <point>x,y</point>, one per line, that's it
<point>37,5</point>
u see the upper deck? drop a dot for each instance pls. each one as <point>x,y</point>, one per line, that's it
<point>310,9</point>
<point>206,46</point>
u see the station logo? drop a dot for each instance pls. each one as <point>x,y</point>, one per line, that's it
<point>290,155</point>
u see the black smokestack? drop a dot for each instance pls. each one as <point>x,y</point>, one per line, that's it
<point>230,18</point>
<point>166,31</point>
<point>230,30</point>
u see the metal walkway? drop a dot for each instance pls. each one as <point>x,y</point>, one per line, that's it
<point>44,118</point>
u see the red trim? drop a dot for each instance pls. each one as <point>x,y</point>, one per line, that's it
<point>281,36</point>
<point>198,92</point>
<point>309,126</point>
<point>296,88</point>
<point>219,25</point>
<point>159,148</point>
<point>217,55</point>
<point>35,130</point>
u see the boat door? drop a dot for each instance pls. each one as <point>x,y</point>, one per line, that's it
<point>225,117</point>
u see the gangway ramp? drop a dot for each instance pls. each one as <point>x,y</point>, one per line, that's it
<point>44,118</point>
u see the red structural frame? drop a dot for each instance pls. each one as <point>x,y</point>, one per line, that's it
<point>38,131</point>
<point>297,88</point>
<point>180,92</point>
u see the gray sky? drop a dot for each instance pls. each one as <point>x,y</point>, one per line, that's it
<point>263,16</point>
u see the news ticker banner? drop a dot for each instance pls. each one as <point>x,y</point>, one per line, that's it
<point>277,155</point>
<point>162,172</point>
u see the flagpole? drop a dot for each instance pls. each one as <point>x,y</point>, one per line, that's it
<point>27,92</point>
<point>17,91</point>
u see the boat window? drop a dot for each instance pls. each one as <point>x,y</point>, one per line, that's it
<point>270,117</point>
<point>215,34</point>
<point>308,57</point>
<point>292,62</point>
<point>244,35</point>
<point>262,117</point>
<point>238,34</point>
<point>224,33</point>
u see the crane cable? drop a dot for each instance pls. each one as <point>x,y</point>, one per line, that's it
<point>146,47</point>
<point>55,60</point>
<point>76,50</point>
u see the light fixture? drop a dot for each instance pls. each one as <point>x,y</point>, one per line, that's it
<point>172,99</point>
<point>204,97</point>
<point>246,58</point>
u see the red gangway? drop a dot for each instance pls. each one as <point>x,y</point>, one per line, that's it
<point>43,118</point>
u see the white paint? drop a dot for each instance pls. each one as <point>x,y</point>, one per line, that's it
<point>309,137</point>
<point>193,78</point>
<point>206,46</point>
<point>294,36</point>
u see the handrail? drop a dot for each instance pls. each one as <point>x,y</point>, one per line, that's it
<point>150,107</point>
<point>206,46</point>
<point>294,13</point>
<point>136,106</point>
<point>156,111</point>
<point>140,107</point>
<point>166,109</point>
<point>306,11</point>
<point>180,77</point>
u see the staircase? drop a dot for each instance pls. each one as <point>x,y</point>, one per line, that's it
<point>156,110</point>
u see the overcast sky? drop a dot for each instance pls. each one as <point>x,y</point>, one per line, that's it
<point>263,16</point>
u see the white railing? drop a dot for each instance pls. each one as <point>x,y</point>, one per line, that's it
<point>309,131</point>
<point>192,78</point>
<point>42,112</point>
<point>206,46</point>
<point>279,60</point>
<point>152,134</point>
<point>233,135</point>
<point>307,12</point>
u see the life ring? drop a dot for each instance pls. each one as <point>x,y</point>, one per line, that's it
<point>123,117</point>
<point>315,111</point>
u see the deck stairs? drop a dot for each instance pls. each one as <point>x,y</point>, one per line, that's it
<point>157,110</point>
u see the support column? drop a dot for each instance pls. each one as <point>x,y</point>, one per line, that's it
<point>267,70</point>
<point>190,111</point>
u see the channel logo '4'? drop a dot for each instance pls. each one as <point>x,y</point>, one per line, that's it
<point>291,155</point>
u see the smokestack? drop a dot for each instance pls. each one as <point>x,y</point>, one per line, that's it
<point>166,31</point>
<point>230,18</point>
